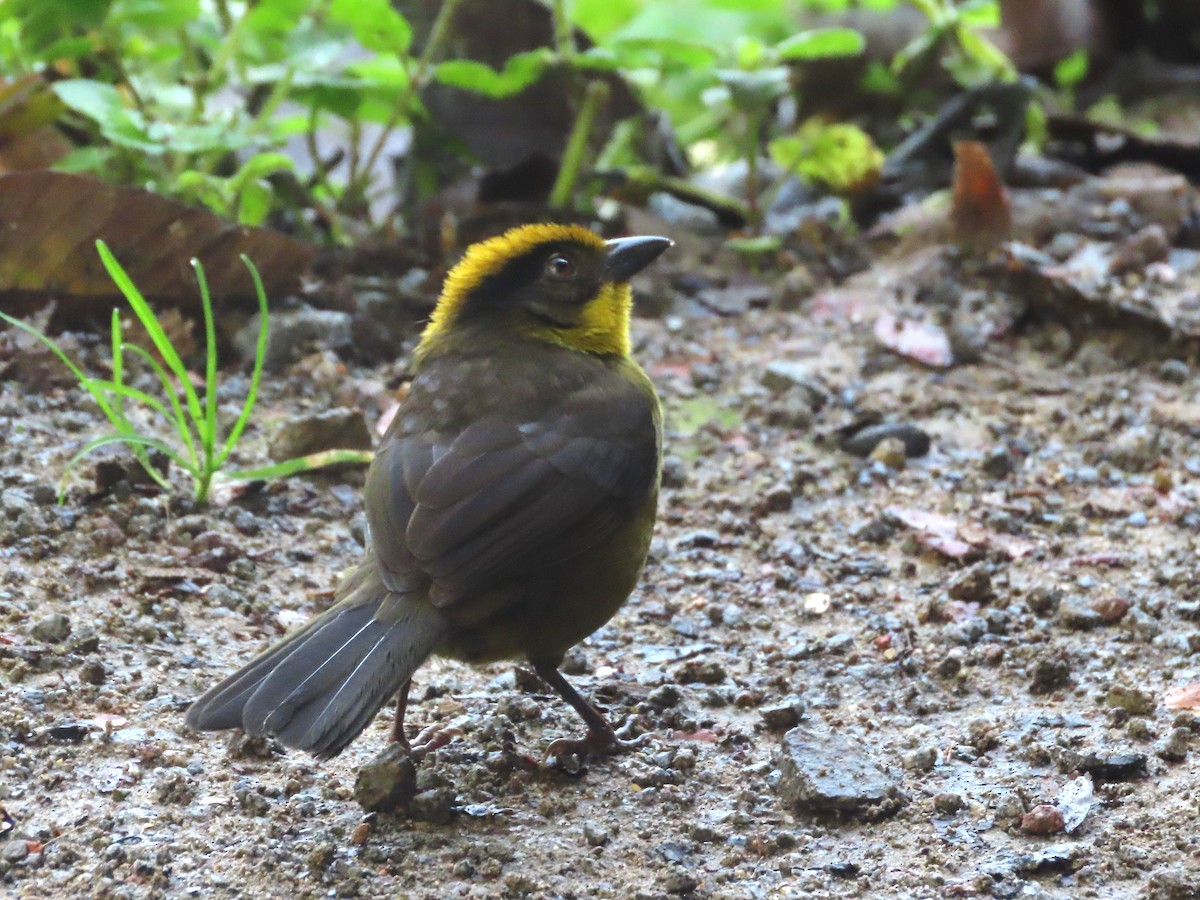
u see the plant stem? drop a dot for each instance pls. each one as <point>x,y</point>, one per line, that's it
<point>572,161</point>
<point>564,46</point>
<point>756,216</point>
<point>404,103</point>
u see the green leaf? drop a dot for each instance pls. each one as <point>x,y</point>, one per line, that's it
<point>1072,70</point>
<point>756,88</point>
<point>98,101</point>
<point>669,50</point>
<point>375,23</point>
<point>822,43</point>
<point>840,155</point>
<point>102,103</point>
<point>154,13</point>
<point>519,72</point>
<point>84,159</point>
<point>260,166</point>
<point>200,187</point>
<point>749,53</point>
<point>980,14</point>
<point>254,202</point>
<point>754,246</point>
<point>982,51</point>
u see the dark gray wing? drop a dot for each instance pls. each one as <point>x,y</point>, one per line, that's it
<point>504,499</point>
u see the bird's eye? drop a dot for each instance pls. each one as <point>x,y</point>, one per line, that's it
<point>559,266</point>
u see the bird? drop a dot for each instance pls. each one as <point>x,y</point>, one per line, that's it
<point>510,503</point>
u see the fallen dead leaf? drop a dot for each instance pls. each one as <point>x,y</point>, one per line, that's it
<point>1185,697</point>
<point>921,342</point>
<point>53,219</point>
<point>980,211</point>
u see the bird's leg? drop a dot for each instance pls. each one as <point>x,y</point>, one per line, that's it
<point>600,738</point>
<point>398,735</point>
<point>428,740</point>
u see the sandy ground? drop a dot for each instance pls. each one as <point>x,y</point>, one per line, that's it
<point>985,670</point>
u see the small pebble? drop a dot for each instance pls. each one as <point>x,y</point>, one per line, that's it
<point>973,585</point>
<point>1174,371</point>
<point>1043,819</point>
<point>15,851</point>
<point>999,462</point>
<point>1174,747</point>
<point>916,441</point>
<point>53,629</point>
<point>947,803</point>
<point>1133,700</point>
<point>1111,609</point>
<point>782,716</point>
<point>1043,601</point>
<point>890,451</point>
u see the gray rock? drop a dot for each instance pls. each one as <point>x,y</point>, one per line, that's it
<point>1077,617</point>
<point>863,442</point>
<point>294,332</point>
<point>1174,371</point>
<point>334,429</point>
<point>53,629</point>
<point>973,585</point>
<point>1174,747</point>
<point>387,782</point>
<point>999,462</point>
<point>821,771</point>
<point>14,501</point>
<point>781,716</point>
<point>14,851</point>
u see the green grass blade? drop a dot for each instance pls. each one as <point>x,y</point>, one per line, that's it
<point>260,356</point>
<point>154,329</point>
<point>66,360</point>
<point>303,464</point>
<point>181,423</point>
<point>116,388</point>
<point>121,391</point>
<point>117,368</point>
<point>208,437</point>
<point>128,439</point>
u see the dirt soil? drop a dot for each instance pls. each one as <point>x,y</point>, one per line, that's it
<point>975,645</point>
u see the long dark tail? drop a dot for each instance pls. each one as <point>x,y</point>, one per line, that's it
<point>320,687</point>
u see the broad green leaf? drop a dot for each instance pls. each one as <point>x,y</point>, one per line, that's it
<point>154,13</point>
<point>669,50</point>
<point>260,166</point>
<point>839,155</point>
<point>753,246</point>
<point>375,23</point>
<point>759,87</point>
<point>98,101</point>
<point>1072,70</point>
<point>982,51</point>
<point>200,187</point>
<point>822,43</point>
<point>980,14</point>
<point>749,53</point>
<point>519,72</point>
<point>254,202</point>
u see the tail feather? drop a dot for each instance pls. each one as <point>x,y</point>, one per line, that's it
<point>320,687</point>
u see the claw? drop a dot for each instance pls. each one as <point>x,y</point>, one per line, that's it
<point>593,744</point>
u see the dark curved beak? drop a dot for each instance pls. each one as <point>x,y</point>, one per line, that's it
<point>628,256</point>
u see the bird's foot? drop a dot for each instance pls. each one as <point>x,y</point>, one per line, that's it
<point>570,754</point>
<point>432,738</point>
